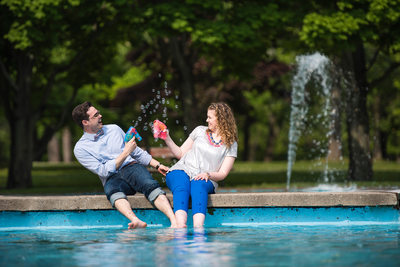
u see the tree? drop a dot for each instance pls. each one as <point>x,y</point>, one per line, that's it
<point>207,50</point>
<point>343,30</point>
<point>50,49</point>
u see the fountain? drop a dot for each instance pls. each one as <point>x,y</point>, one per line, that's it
<point>312,71</point>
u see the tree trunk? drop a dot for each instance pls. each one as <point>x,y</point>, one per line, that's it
<point>335,142</point>
<point>66,145</point>
<point>273,134</point>
<point>21,127</point>
<point>53,150</point>
<point>186,83</point>
<point>377,132</point>
<point>246,138</point>
<point>360,165</point>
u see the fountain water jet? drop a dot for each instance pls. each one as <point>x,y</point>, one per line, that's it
<point>315,68</point>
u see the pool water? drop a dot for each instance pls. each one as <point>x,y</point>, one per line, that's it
<point>248,245</point>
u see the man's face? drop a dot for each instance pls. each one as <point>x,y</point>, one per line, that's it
<point>95,123</point>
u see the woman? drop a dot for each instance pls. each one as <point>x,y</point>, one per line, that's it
<point>205,158</point>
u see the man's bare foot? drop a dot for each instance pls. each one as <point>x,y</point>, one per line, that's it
<point>136,224</point>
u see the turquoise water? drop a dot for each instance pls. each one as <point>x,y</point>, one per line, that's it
<point>249,245</point>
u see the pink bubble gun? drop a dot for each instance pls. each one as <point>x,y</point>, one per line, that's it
<point>159,130</point>
<point>132,133</point>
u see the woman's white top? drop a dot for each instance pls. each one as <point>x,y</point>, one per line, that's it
<point>204,156</point>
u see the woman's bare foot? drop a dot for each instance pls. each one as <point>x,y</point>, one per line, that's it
<point>136,223</point>
<point>182,226</point>
<point>176,225</point>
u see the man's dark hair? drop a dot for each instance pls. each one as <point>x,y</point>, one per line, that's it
<point>80,113</point>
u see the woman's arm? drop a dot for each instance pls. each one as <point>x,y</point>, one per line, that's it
<point>221,174</point>
<point>176,150</point>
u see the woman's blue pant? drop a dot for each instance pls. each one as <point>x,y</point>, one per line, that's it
<point>182,188</point>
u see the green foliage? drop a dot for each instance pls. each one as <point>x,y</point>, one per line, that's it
<point>233,34</point>
<point>373,21</point>
<point>68,45</point>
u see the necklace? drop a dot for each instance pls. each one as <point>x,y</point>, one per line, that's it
<point>211,139</point>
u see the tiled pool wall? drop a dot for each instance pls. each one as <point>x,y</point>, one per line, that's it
<point>228,209</point>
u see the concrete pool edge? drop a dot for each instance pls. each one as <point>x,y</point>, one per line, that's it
<point>219,200</point>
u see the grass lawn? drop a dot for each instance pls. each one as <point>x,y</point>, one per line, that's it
<point>50,178</point>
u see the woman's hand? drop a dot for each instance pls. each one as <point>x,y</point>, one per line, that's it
<point>202,176</point>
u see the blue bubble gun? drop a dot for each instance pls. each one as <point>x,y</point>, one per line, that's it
<point>132,133</point>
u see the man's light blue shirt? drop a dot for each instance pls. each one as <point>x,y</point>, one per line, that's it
<point>99,155</point>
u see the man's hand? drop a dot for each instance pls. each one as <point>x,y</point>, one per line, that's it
<point>130,146</point>
<point>163,169</point>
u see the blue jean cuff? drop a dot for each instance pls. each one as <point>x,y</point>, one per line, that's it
<point>114,197</point>
<point>154,194</point>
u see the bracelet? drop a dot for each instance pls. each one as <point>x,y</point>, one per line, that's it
<point>158,166</point>
<point>209,176</point>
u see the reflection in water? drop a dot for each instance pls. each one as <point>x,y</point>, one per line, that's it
<point>159,247</point>
<point>274,245</point>
<point>193,247</point>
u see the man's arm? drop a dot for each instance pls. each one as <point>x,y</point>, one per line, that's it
<point>159,167</point>
<point>128,149</point>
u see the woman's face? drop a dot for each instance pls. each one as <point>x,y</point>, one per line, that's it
<point>212,120</point>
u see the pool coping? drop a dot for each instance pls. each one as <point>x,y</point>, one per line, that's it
<point>219,200</point>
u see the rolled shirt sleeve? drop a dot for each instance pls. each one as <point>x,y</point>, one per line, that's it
<point>99,155</point>
<point>141,156</point>
<point>103,168</point>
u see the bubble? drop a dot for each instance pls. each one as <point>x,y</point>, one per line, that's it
<point>145,128</point>
<point>177,122</point>
<point>185,127</point>
<point>140,118</point>
<point>153,90</point>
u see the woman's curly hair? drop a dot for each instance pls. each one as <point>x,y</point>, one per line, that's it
<point>226,123</point>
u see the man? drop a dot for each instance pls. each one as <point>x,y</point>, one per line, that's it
<point>119,165</point>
